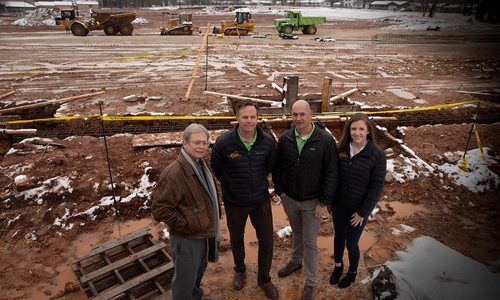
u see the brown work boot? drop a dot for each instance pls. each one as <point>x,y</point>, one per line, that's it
<point>239,280</point>
<point>289,269</point>
<point>270,290</point>
<point>307,294</point>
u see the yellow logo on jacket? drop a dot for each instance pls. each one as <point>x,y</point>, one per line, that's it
<point>343,155</point>
<point>234,155</point>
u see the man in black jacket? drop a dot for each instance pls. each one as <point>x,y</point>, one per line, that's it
<point>305,176</point>
<point>241,160</point>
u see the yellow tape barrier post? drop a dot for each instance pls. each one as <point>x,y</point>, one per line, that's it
<point>464,163</point>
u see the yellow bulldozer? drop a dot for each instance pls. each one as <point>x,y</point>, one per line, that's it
<point>241,25</point>
<point>177,24</point>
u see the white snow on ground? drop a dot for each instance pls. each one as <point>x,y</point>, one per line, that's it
<point>141,20</point>
<point>56,185</point>
<point>404,229</point>
<point>431,270</point>
<point>402,168</point>
<point>284,232</point>
<point>401,93</point>
<point>479,178</point>
<point>143,190</point>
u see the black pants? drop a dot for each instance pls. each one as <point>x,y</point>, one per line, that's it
<point>262,220</point>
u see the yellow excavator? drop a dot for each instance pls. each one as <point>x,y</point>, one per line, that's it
<point>241,25</point>
<point>177,24</point>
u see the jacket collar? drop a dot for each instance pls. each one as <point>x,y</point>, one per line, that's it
<point>366,150</point>
<point>236,138</point>
<point>188,169</point>
<point>290,134</point>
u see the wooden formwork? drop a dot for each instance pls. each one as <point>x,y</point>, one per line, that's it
<point>133,266</point>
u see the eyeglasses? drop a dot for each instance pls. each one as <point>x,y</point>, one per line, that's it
<point>200,143</point>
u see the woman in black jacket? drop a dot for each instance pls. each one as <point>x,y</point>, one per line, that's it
<point>362,167</point>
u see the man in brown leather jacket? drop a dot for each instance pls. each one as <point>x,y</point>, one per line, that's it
<point>185,198</point>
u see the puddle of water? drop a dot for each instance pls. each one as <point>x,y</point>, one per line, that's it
<point>84,243</point>
<point>402,210</point>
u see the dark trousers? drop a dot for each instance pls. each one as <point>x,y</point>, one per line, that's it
<point>346,235</point>
<point>262,220</point>
<point>190,262</point>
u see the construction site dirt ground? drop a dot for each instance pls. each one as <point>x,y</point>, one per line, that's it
<point>40,236</point>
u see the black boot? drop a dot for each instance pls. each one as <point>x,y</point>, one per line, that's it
<point>337,272</point>
<point>347,280</point>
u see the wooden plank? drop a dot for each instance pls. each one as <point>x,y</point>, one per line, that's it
<point>93,289</point>
<point>197,63</point>
<point>117,264</point>
<point>325,95</point>
<point>114,252</point>
<point>134,282</point>
<point>18,131</point>
<point>343,95</point>
<point>7,95</point>
<point>96,250</point>
<point>237,97</point>
<point>54,101</point>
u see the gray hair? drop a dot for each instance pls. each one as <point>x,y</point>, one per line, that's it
<point>194,128</point>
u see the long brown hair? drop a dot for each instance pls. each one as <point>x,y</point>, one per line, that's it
<point>345,137</point>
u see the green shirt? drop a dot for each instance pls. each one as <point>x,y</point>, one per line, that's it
<point>248,144</point>
<point>302,141</point>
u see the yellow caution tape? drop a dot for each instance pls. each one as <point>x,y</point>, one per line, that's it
<point>149,118</point>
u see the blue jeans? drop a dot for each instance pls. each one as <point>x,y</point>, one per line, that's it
<point>346,235</point>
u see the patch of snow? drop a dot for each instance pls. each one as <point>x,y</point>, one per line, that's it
<point>407,228</point>
<point>56,185</point>
<point>13,220</point>
<point>287,231</point>
<point>402,129</point>
<point>402,93</point>
<point>428,269</point>
<point>479,178</point>
<point>165,234</point>
<point>141,20</point>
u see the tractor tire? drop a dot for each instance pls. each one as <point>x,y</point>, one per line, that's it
<point>310,29</point>
<point>126,29</point>
<point>287,29</point>
<point>78,29</point>
<point>110,29</point>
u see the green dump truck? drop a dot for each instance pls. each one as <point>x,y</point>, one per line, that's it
<point>295,21</point>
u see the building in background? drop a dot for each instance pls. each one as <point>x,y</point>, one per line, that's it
<point>9,7</point>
